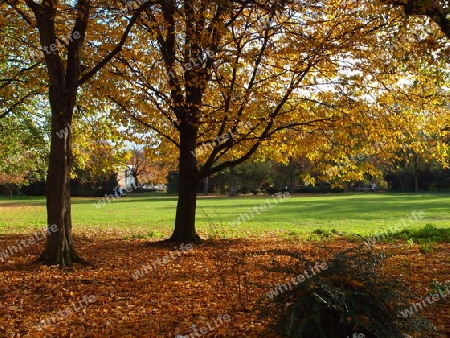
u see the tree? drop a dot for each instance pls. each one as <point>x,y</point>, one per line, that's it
<point>160,166</point>
<point>436,10</point>
<point>139,164</point>
<point>23,156</point>
<point>225,81</point>
<point>96,166</point>
<point>219,80</point>
<point>252,175</point>
<point>62,33</point>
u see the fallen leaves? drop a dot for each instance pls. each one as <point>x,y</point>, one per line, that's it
<point>212,279</point>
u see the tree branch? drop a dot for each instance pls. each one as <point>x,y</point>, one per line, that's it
<point>432,9</point>
<point>119,46</point>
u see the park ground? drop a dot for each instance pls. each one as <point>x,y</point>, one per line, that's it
<point>212,286</point>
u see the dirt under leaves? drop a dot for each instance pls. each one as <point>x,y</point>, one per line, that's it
<point>208,290</point>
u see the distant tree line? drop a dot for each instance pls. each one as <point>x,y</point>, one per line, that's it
<point>258,177</point>
<point>270,177</point>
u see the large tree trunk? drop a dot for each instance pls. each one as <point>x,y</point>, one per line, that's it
<point>189,181</point>
<point>185,214</point>
<point>63,82</point>
<point>64,77</point>
<point>59,249</point>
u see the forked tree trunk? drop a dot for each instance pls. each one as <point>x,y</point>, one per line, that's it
<point>63,80</point>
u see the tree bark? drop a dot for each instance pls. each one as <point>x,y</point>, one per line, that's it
<point>189,181</point>
<point>64,79</point>
<point>63,86</point>
<point>59,249</point>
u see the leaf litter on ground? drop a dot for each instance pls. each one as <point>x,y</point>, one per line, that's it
<point>182,293</point>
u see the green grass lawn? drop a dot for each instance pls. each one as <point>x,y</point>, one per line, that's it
<point>152,215</point>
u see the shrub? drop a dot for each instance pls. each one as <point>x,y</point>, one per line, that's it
<point>429,233</point>
<point>272,190</point>
<point>307,189</point>
<point>244,190</point>
<point>173,182</point>
<point>350,296</point>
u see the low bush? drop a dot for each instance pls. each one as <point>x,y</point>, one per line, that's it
<point>350,297</point>
<point>428,234</point>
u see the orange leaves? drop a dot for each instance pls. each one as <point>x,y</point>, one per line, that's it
<point>177,297</point>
